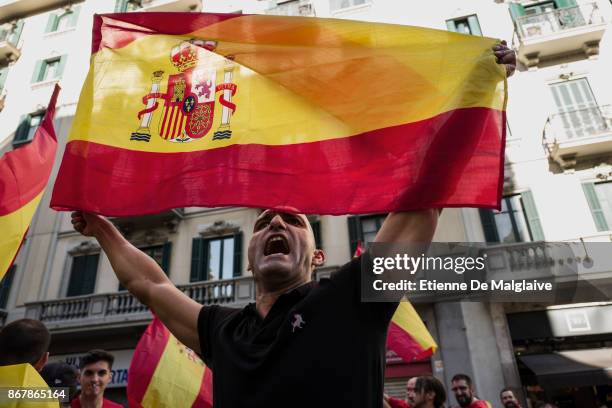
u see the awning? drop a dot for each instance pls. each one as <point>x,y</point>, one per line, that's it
<point>571,368</point>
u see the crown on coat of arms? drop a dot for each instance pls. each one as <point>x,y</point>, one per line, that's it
<point>186,54</point>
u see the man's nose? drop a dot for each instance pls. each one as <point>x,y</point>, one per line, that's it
<point>277,222</point>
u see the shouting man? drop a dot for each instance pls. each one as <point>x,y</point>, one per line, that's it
<point>302,343</point>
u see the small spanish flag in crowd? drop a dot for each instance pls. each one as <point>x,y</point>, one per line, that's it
<point>326,116</point>
<point>20,376</point>
<point>164,373</point>
<point>24,173</point>
<point>407,335</point>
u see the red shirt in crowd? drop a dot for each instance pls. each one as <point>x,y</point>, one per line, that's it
<point>76,403</point>
<point>397,403</point>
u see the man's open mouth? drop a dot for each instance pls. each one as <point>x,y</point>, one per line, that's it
<point>276,244</point>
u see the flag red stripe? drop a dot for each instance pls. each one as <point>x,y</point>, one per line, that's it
<point>118,30</point>
<point>21,169</point>
<point>453,151</point>
<point>146,356</point>
<point>402,343</point>
<point>204,398</point>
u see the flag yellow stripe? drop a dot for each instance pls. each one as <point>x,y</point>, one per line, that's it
<point>177,378</point>
<point>408,320</point>
<point>14,227</point>
<point>309,80</point>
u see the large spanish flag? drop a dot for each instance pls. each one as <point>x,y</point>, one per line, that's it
<point>407,335</point>
<point>323,115</point>
<point>164,373</point>
<point>24,173</point>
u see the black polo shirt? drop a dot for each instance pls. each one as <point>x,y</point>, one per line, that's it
<point>319,346</point>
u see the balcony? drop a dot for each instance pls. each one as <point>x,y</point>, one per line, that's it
<point>12,9</point>
<point>8,45</point>
<point>292,8</point>
<point>171,5</point>
<point>581,133</point>
<point>559,32</point>
<point>121,308</point>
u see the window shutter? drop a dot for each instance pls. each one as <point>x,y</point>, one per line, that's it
<point>488,225</point>
<point>74,15</point>
<point>238,254</point>
<point>533,219</point>
<point>450,24</point>
<point>121,6</point>
<point>3,75</point>
<point>5,286</point>
<point>565,3</point>
<point>316,231</point>
<point>474,25</point>
<point>36,76</point>
<point>165,263</point>
<point>91,271</point>
<point>354,233</point>
<point>22,130</point>
<point>51,23</point>
<point>197,259</point>
<point>16,34</point>
<point>516,10</point>
<point>595,206</point>
<point>60,67</point>
<point>76,276</point>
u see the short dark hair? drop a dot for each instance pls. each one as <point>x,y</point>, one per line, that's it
<point>93,356</point>
<point>464,377</point>
<point>23,341</point>
<point>427,384</point>
<point>61,374</point>
<point>507,389</point>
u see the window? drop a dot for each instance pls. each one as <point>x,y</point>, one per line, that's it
<point>518,220</point>
<point>599,197</point>
<point>316,231</point>
<point>464,25</point>
<point>49,69</point>
<point>124,6</point>
<point>62,20</point>
<point>5,286</point>
<point>364,229</point>
<point>27,127</point>
<point>160,254</point>
<point>337,5</point>
<point>83,275</point>
<point>578,113</point>
<point>216,258</point>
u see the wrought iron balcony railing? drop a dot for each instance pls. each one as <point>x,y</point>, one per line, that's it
<point>293,8</point>
<point>558,20</point>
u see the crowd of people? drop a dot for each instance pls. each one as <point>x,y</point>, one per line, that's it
<point>26,341</point>
<point>429,392</point>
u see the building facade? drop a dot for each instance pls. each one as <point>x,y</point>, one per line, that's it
<point>556,189</point>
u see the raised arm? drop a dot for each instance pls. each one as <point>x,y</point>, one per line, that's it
<point>414,226</point>
<point>143,277</point>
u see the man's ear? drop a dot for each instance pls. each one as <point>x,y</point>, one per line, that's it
<point>318,258</point>
<point>41,361</point>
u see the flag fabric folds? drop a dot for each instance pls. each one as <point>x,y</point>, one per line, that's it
<point>325,116</point>
<point>24,173</point>
<point>164,373</point>
<point>407,335</point>
<point>24,376</point>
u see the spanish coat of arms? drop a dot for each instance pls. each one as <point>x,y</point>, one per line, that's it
<point>189,100</point>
